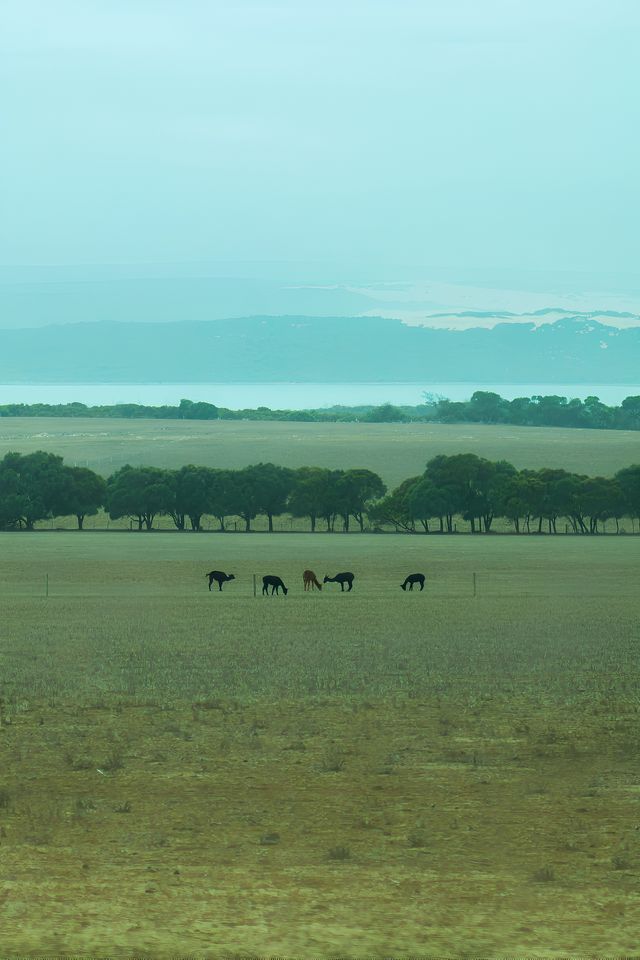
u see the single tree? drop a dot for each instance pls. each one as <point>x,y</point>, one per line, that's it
<point>356,489</point>
<point>85,493</point>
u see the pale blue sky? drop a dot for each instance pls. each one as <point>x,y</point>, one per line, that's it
<point>461,133</point>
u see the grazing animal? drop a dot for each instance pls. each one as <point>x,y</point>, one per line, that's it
<point>310,580</point>
<point>219,578</point>
<point>275,583</point>
<point>413,578</point>
<point>341,578</point>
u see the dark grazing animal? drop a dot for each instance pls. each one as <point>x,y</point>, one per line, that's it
<point>310,580</point>
<point>413,578</point>
<point>275,583</point>
<point>219,578</point>
<point>341,578</point>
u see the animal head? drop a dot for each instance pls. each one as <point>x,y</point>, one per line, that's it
<point>231,576</point>
<point>326,580</point>
<point>285,590</point>
<point>404,586</point>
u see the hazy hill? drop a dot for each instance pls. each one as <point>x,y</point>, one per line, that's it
<point>571,350</point>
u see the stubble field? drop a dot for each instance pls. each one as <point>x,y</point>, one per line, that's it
<point>374,773</point>
<point>395,451</point>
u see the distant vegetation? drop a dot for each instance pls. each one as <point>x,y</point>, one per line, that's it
<point>40,486</point>
<point>483,407</point>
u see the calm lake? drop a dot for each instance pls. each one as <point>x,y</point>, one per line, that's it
<point>294,396</point>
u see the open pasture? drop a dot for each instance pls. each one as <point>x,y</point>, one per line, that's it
<point>377,773</point>
<point>543,608</point>
<point>394,451</point>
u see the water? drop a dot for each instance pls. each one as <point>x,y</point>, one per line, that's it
<point>294,396</point>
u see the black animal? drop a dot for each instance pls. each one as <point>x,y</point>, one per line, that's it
<point>413,578</point>
<point>341,578</point>
<point>219,578</point>
<point>275,583</point>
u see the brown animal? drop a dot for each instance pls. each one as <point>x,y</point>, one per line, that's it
<point>310,580</point>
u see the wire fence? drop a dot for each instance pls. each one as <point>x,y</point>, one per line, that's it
<point>463,586</point>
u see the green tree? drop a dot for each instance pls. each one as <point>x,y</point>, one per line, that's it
<point>34,487</point>
<point>140,493</point>
<point>521,495</point>
<point>85,493</point>
<point>386,413</point>
<point>394,509</point>
<point>451,411</point>
<point>600,498</point>
<point>188,410</point>
<point>191,496</point>
<point>355,490</point>
<point>244,496</point>
<point>559,497</point>
<point>629,413</point>
<point>274,484</point>
<point>487,407</point>
<point>470,486</point>
<point>425,502</point>
<point>596,414</point>
<point>330,499</point>
<point>550,411</point>
<point>220,494</point>
<point>310,493</point>
<point>629,483</point>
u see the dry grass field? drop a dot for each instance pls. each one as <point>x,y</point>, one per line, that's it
<point>369,774</point>
<point>395,451</point>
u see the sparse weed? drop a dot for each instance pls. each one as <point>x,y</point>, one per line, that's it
<point>269,839</point>
<point>339,853</point>
<point>417,838</point>
<point>113,762</point>
<point>333,761</point>
<point>77,763</point>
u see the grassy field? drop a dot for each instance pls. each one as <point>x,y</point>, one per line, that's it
<point>374,773</point>
<point>395,451</point>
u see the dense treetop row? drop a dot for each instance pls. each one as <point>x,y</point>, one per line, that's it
<point>38,486</point>
<point>483,407</point>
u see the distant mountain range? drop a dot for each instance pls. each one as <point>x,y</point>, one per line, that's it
<point>38,297</point>
<point>320,349</point>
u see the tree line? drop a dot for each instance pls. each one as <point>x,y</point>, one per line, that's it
<point>40,486</point>
<point>483,407</point>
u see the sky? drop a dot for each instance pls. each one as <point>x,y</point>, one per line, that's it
<point>468,135</point>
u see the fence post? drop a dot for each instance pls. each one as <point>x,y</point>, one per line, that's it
<point>475,586</point>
